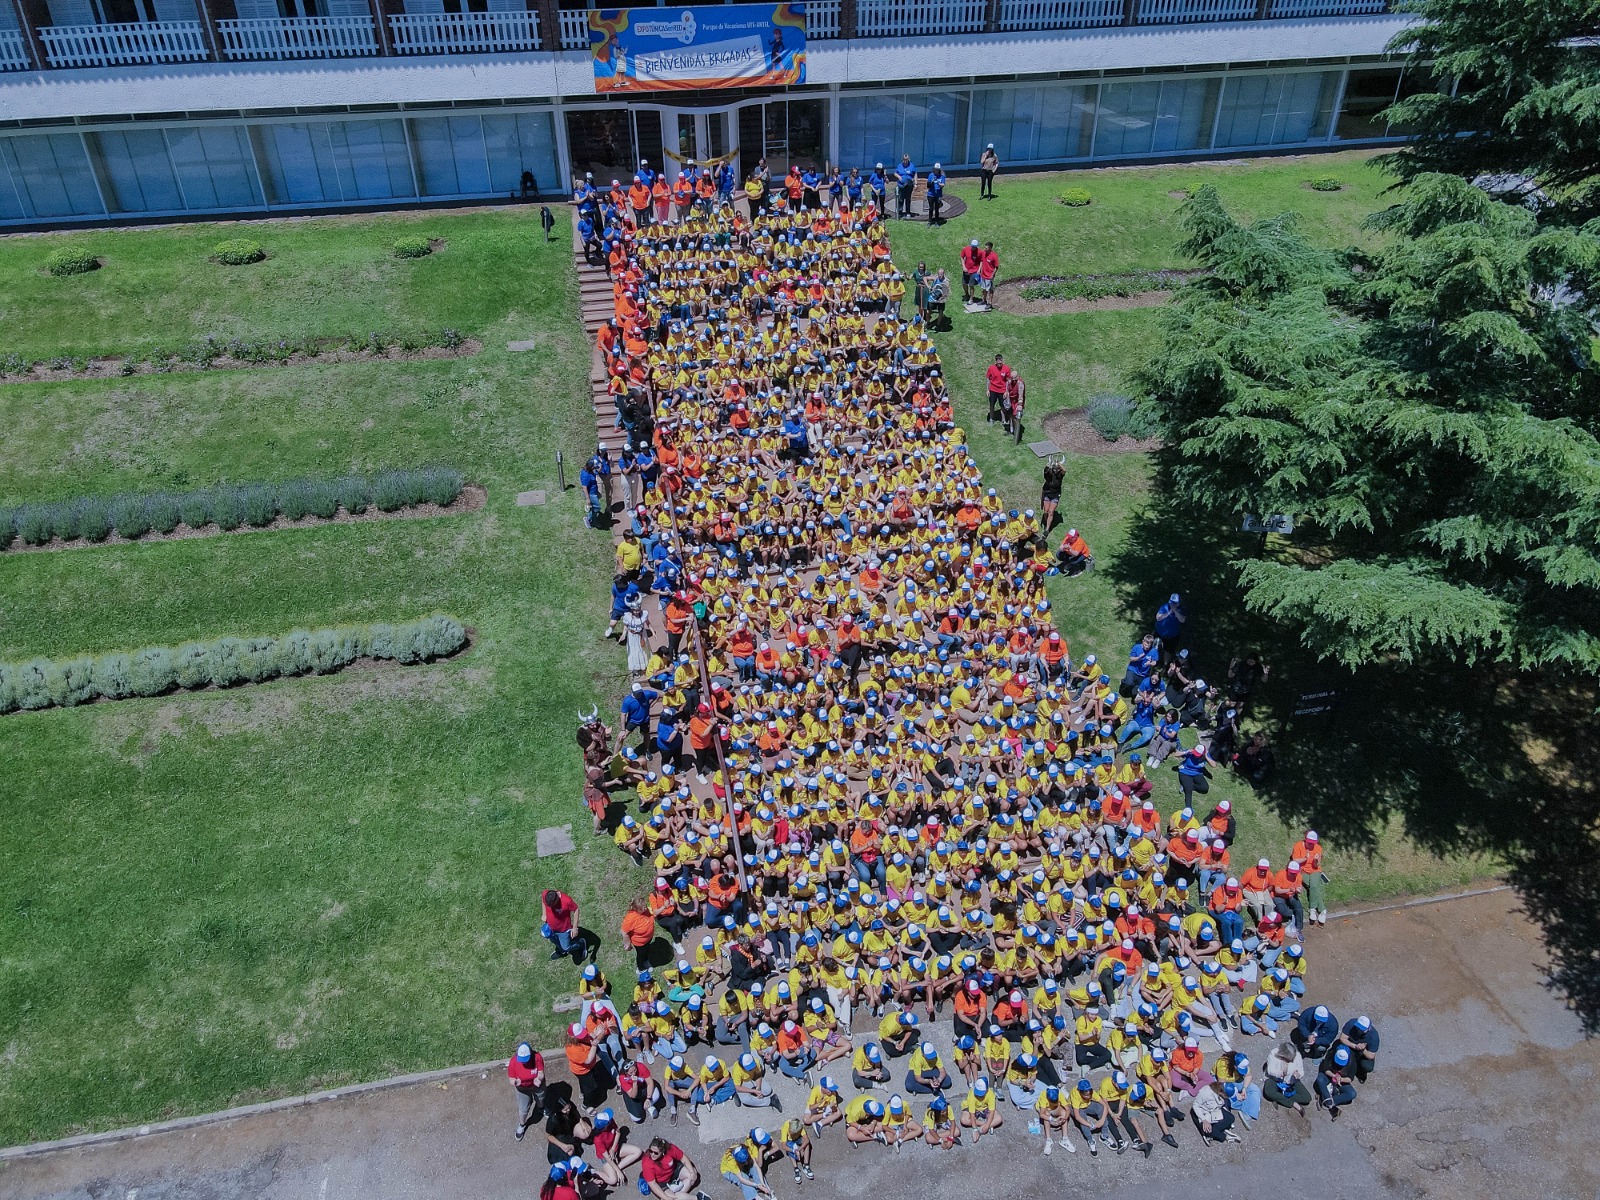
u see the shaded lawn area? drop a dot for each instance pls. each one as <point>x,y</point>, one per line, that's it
<point>323,277</point>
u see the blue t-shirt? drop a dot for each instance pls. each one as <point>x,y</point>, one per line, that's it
<point>1169,621</point>
<point>1140,662</point>
<point>878,182</point>
<point>936,184</point>
<point>906,174</point>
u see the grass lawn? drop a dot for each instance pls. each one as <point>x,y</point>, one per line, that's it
<point>216,898</point>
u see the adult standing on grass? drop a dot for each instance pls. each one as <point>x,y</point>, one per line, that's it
<point>905,182</point>
<point>1016,398</point>
<point>935,194</point>
<point>988,268</point>
<point>988,168</point>
<point>1055,473</point>
<point>997,375</point>
<point>561,926</point>
<point>971,260</point>
<point>525,1069</point>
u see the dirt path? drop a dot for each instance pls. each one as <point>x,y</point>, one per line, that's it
<point>1485,1079</point>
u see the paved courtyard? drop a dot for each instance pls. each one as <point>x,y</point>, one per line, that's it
<point>1486,1081</point>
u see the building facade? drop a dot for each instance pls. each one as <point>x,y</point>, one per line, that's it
<point>113,110</point>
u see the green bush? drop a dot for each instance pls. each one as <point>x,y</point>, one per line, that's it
<point>227,507</point>
<point>191,664</point>
<point>390,491</point>
<point>442,485</point>
<point>130,516</point>
<point>294,499</point>
<point>237,252</point>
<point>8,526</point>
<point>260,503</point>
<point>355,494</point>
<point>71,260</point>
<point>194,508</point>
<point>94,519</point>
<point>34,525</point>
<point>322,498</point>
<point>63,520</point>
<point>1111,416</point>
<point>1075,197</point>
<point>412,247</point>
<point>150,671</point>
<point>162,509</point>
<point>111,677</point>
<point>32,684</point>
<point>225,662</point>
<point>1324,183</point>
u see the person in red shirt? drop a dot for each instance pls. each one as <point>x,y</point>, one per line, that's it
<point>998,375</point>
<point>988,268</point>
<point>561,926</point>
<point>613,1156</point>
<point>971,260</point>
<point>667,1171</point>
<point>525,1069</point>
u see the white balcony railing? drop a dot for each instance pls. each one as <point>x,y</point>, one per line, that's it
<point>297,37</point>
<point>1325,8</point>
<point>13,51</point>
<point>121,45</point>
<point>918,18</point>
<point>822,19</point>
<point>463,32</point>
<point>574,29</point>
<point>1182,12</point>
<point>1016,15</point>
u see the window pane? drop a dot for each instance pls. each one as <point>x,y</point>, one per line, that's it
<point>374,163</point>
<point>213,165</point>
<point>600,141</point>
<point>50,175</point>
<point>1066,123</point>
<point>524,142</point>
<point>1366,94</point>
<point>1301,116</point>
<point>139,172</point>
<point>1127,119</point>
<point>1249,110</point>
<point>1185,114</point>
<point>298,162</point>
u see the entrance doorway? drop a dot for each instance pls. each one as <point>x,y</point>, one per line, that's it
<point>699,135</point>
<point>785,133</point>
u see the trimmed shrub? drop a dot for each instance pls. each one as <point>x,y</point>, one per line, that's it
<point>1324,183</point>
<point>32,684</point>
<point>224,662</point>
<point>237,252</point>
<point>258,658</point>
<point>111,676</point>
<point>227,507</point>
<point>191,664</point>
<point>34,525</point>
<point>1111,416</point>
<point>294,500</point>
<point>194,508</point>
<point>260,504</point>
<point>412,247</point>
<point>150,671</point>
<point>63,520</point>
<point>390,491</point>
<point>1099,287</point>
<point>355,494</point>
<point>71,260</point>
<point>322,498</point>
<point>93,519</point>
<point>441,485</point>
<point>439,635</point>
<point>1075,197</point>
<point>294,653</point>
<point>162,510</point>
<point>8,526</point>
<point>131,516</point>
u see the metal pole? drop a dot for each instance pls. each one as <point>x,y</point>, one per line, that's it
<point>561,473</point>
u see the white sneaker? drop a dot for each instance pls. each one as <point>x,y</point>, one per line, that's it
<point>1048,1145</point>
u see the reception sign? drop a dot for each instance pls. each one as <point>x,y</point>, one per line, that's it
<point>683,49</point>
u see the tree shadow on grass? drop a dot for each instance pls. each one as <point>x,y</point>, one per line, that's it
<point>1474,759</point>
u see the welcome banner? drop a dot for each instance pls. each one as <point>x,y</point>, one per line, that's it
<point>683,49</point>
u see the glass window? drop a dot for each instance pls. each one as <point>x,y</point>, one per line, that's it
<point>1305,106</point>
<point>1414,80</point>
<point>1185,114</point>
<point>868,130</point>
<point>600,141</point>
<point>136,166</point>
<point>524,142</point>
<point>992,112</point>
<point>1127,119</point>
<point>1366,94</point>
<point>213,166</point>
<point>50,177</point>
<point>1249,110</point>
<point>374,161</point>
<point>298,163</point>
<point>1066,123</point>
<point>450,156</point>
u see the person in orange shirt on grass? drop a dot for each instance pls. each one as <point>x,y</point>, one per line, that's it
<point>1308,853</point>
